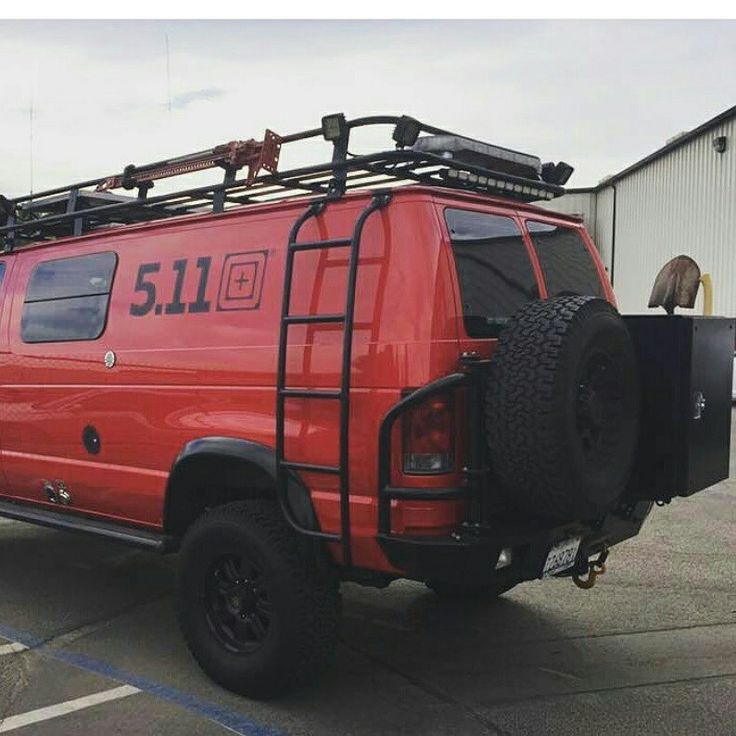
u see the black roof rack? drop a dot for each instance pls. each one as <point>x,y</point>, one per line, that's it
<point>437,158</point>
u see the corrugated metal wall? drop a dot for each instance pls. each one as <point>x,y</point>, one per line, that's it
<point>582,204</point>
<point>603,234</point>
<point>683,202</point>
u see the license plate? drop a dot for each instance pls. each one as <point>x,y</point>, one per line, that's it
<point>561,557</point>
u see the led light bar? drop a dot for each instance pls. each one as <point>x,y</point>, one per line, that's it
<point>481,154</point>
<point>498,185</point>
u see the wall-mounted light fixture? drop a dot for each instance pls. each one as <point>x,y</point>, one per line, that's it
<point>720,144</point>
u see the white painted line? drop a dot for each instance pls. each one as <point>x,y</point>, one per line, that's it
<point>60,709</point>
<point>12,648</point>
<point>559,673</point>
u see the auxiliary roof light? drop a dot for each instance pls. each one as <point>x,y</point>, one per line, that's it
<point>406,131</point>
<point>557,173</point>
<point>334,126</point>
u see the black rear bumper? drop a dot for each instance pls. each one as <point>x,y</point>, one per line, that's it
<point>685,365</point>
<point>471,553</point>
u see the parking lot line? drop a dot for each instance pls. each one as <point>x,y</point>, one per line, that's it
<point>11,648</point>
<point>69,706</point>
<point>230,719</point>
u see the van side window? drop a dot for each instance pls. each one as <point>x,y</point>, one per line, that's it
<point>565,260</point>
<point>496,275</point>
<point>67,299</point>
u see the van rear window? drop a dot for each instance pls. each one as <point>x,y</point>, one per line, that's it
<point>495,273</point>
<point>565,260</point>
<point>67,299</point>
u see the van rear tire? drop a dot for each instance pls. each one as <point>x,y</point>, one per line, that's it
<point>257,612</point>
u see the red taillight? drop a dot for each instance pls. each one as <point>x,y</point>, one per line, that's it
<point>429,436</point>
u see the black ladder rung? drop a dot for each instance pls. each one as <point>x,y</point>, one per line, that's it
<point>321,244</point>
<point>305,319</point>
<point>344,262</point>
<point>310,393</point>
<point>310,467</point>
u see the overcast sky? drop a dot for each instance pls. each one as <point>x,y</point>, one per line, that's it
<point>598,94</point>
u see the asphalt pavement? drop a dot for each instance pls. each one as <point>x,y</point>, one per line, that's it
<point>89,645</point>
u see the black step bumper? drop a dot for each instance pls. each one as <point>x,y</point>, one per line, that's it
<point>471,553</point>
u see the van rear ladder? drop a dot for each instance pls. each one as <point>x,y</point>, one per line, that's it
<point>284,466</point>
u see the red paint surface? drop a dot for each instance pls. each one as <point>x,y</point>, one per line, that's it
<point>183,376</point>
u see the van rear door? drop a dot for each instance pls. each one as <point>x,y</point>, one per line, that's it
<point>495,268</point>
<point>569,263</point>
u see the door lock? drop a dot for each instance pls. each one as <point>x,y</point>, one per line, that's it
<point>698,405</point>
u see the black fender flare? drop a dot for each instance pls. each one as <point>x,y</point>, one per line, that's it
<point>260,457</point>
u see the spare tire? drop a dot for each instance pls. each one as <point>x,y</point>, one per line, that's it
<point>562,407</point>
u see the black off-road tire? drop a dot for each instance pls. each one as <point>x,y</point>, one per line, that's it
<point>562,408</point>
<point>301,594</point>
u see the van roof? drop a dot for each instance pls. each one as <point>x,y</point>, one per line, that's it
<point>297,204</point>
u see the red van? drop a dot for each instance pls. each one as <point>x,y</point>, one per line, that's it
<point>388,365</point>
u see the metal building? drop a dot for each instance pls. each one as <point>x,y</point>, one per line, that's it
<point>679,199</point>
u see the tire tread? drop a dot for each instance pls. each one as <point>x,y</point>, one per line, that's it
<point>525,446</point>
<point>313,589</point>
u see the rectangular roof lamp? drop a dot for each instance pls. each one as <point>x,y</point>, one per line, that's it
<point>496,158</point>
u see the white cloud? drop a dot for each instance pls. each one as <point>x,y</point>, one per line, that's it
<point>597,94</point>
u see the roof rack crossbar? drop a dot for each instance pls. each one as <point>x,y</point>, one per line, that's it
<point>87,205</point>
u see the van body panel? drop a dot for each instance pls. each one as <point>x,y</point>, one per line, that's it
<point>182,373</point>
<point>193,324</point>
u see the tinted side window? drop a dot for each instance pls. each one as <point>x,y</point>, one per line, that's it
<point>565,260</point>
<point>67,299</point>
<point>2,272</point>
<point>496,275</point>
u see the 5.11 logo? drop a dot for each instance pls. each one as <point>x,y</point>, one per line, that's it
<point>240,285</point>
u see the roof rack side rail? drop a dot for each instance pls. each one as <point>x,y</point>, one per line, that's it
<point>440,158</point>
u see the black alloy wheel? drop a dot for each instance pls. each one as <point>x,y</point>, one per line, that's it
<point>237,604</point>
<point>599,400</point>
